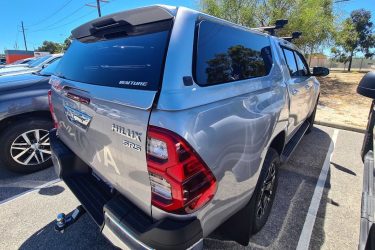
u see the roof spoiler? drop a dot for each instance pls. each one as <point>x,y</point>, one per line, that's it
<point>279,24</point>
<point>295,35</point>
<point>128,18</point>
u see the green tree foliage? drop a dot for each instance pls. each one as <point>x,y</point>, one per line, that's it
<point>237,11</point>
<point>356,34</point>
<point>67,42</point>
<point>314,18</point>
<point>51,47</point>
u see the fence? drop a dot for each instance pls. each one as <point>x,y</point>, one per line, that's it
<point>358,64</point>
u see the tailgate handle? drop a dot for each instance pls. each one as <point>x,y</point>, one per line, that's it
<point>78,98</point>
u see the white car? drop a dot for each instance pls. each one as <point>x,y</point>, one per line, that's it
<point>35,65</point>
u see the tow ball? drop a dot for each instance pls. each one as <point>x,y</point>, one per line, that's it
<point>62,221</point>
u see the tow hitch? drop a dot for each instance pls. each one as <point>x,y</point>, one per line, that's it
<point>63,221</point>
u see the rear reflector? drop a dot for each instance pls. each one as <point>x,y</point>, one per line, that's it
<point>51,109</point>
<point>180,181</point>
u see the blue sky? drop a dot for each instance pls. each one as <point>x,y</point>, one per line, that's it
<point>54,19</point>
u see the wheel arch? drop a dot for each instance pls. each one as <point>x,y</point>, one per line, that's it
<point>278,142</point>
<point>19,117</point>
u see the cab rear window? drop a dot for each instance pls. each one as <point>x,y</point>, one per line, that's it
<point>134,62</point>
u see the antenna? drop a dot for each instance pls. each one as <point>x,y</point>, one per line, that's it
<point>279,24</point>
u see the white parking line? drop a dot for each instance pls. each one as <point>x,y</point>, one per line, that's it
<point>30,191</point>
<point>304,239</point>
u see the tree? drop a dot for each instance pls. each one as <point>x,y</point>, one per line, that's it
<point>236,11</point>
<point>67,43</point>
<point>356,35</point>
<point>51,47</point>
<point>314,18</point>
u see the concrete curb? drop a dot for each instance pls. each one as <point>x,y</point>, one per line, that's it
<point>340,126</point>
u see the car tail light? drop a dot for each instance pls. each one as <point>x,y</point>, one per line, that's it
<point>180,181</point>
<point>54,118</point>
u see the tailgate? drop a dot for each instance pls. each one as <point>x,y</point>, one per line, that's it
<point>109,135</point>
<point>103,91</point>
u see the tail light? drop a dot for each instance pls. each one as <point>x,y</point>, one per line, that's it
<point>54,118</point>
<point>180,181</point>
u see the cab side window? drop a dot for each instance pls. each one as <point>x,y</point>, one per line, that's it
<point>291,62</point>
<point>303,70</point>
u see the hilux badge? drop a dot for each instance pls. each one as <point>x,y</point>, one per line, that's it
<point>131,134</point>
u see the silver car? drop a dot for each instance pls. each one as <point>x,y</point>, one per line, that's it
<point>34,65</point>
<point>171,123</point>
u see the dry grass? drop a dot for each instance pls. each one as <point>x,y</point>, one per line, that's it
<point>339,102</point>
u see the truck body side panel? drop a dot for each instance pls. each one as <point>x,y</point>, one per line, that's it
<point>230,125</point>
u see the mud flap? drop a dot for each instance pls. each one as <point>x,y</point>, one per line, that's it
<point>238,227</point>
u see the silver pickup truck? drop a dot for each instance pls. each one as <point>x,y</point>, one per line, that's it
<point>171,123</point>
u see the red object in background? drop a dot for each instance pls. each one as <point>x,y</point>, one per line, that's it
<point>14,55</point>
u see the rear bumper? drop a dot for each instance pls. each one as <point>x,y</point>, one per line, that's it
<point>125,225</point>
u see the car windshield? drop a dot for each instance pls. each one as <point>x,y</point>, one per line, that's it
<point>31,60</point>
<point>38,61</point>
<point>50,69</point>
<point>21,61</point>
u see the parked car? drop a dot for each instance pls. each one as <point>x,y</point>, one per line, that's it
<point>23,61</point>
<point>171,123</point>
<point>367,227</point>
<point>2,61</point>
<point>19,63</point>
<point>34,65</point>
<point>25,121</point>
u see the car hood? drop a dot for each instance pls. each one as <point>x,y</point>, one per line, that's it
<point>20,81</point>
<point>9,69</point>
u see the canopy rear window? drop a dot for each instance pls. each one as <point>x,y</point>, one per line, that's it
<point>134,62</point>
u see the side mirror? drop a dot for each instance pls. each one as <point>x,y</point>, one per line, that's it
<point>366,86</point>
<point>320,71</point>
<point>45,65</point>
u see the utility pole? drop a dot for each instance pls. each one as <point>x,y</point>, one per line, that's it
<point>98,6</point>
<point>24,36</point>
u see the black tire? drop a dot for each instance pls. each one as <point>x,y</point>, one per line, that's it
<point>265,191</point>
<point>311,119</point>
<point>12,135</point>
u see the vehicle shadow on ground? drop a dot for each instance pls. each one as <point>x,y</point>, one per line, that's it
<point>51,190</point>
<point>84,234</point>
<point>297,181</point>
<point>13,184</point>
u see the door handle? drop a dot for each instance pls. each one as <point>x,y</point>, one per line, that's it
<point>295,91</point>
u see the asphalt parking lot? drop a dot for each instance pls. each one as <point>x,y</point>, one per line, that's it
<point>317,204</point>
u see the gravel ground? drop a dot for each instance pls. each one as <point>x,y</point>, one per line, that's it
<point>339,102</point>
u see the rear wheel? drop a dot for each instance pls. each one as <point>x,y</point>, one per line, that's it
<point>265,191</point>
<point>25,145</point>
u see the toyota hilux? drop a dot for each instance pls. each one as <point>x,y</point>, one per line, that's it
<point>171,123</point>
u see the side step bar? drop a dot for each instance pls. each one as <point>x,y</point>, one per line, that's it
<point>294,141</point>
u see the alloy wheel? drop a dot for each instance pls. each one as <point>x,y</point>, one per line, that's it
<point>266,191</point>
<point>31,147</point>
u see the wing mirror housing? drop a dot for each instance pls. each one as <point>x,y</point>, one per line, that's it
<point>366,86</point>
<point>320,71</point>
